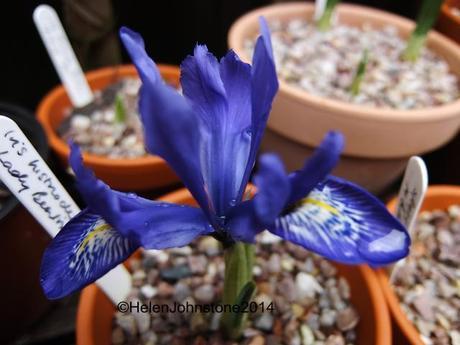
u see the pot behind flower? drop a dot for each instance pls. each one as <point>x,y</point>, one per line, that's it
<point>437,197</point>
<point>375,175</point>
<point>141,173</point>
<point>448,22</point>
<point>95,311</point>
<point>370,132</point>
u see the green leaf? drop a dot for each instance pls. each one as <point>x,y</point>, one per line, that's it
<point>239,259</point>
<point>324,22</point>
<point>425,21</point>
<point>359,75</point>
<point>120,110</point>
<point>243,299</point>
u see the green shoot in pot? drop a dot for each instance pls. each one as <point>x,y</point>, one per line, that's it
<point>238,286</point>
<point>324,22</point>
<point>120,110</point>
<point>359,75</point>
<point>425,21</point>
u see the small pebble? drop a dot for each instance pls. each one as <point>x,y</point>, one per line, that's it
<point>204,294</point>
<point>306,286</point>
<point>347,319</point>
<point>148,291</point>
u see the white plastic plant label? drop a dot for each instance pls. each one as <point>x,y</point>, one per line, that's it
<point>62,55</point>
<point>412,192</point>
<point>29,178</point>
<point>411,195</point>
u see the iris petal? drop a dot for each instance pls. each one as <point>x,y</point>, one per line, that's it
<point>264,85</point>
<point>136,48</point>
<point>273,189</point>
<point>236,78</point>
<point>250,217</point>
<point>316,169</point>
<point>343,222</point>
<point>167,225</point>
<point>96,194</point>
<point>172,129</point>
<point>203,87</point>
<point>152,224</point>
<point>220,94</point>
<point>83,251</point>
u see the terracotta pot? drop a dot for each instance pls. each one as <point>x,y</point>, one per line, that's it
<point>95,311</point>
<point>22,244</point>
<point>370,132</point>
<point>437,197</point>
<point>126,174</point>
<point>449,23</point>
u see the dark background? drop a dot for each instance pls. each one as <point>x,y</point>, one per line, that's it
<point>171,29</point>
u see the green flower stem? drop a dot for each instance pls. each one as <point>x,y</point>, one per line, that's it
<point>120,111</point>
<point>359,75</point>
<point>324,22</point>
<point>425,21</point>
<point>238,286</point>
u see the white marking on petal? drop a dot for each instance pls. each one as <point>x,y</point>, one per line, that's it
<point>393,241</point>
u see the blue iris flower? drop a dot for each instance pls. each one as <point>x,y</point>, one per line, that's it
<point>210,137</point>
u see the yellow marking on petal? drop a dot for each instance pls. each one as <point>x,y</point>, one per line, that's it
<point>100,228</point>
<point>321,204</point>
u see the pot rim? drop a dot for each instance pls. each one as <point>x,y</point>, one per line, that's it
<point>63,149</point>
<point>403,322</point>
<point>446,10</point>
<point>383,334</point>
<point>246,23</point>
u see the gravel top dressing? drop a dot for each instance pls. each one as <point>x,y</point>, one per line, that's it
<point>300,298</point>
<point>324,64</point>
<point>428,283</point>
<point>96,129</point>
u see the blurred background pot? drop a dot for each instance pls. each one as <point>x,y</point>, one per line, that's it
<point>95,311</point>
<point>437,198</point>
<point>449,19</point>
<point>371,133</point>
<point>376,175</point>
<point>143,173</point>
<point>21,248</point>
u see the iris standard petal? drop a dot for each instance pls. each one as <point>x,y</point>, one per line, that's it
<point>202,85</point>
<point>236,78</point>
<point>343,222</point>
<point>83,251</point>
<point>220,93</point>
<point>264,85</point>
<point>136,48</point>
<point>172,129</point>
<point>317,167</point>
<point>249,218</point>
<point>273,189</point>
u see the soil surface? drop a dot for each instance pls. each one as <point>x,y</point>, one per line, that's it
<point>428,281</point>
<point>300,298</point>
<point>325,63</point>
